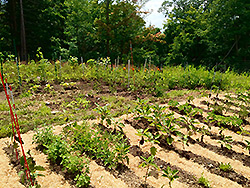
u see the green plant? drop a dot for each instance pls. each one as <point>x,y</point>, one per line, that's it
<point>204,181</point>
<point>168,126</point>
<point>149,163</point>
<point>225,167</point>
<point>142,108</point>
<point>104,112</point>
<point>111,149</point>
<point>61,152</point>
<point>225,141</point>
<point>173,103</point>
<point>44,136</point>
<point>248,146</point>
<point>184,140</point>
<point>148,136</point>
<point>170,174</point>
<point>83,179</point>
<point>33,168</point>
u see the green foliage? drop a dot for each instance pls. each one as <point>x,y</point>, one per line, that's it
<point>170,174</point>
<point>225,141</point>
<point>61,152</point>
<point>111,148</point>
<point>149,163</point>
<point>248,145</point>
<point>44,136</point>
<point>204,181</point>
<point>205,32</point>
<point>104,112</point>
<point>33,168</point>
<point>225,167</point>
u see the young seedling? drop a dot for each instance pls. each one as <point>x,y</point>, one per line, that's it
<point>204,131</point>
<point>173,103</point>
<point>190,98</point>
<point>225,167</point>
<point>204,181</point>
<point>184,140</point>
<point>33,168</point>
<point>149,162</point>
<point>225,141</point>
<point>104,112</point>
<point>170,174</point>
<point>248,145</point>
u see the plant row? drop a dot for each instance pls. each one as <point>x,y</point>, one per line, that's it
<point>148,79</point>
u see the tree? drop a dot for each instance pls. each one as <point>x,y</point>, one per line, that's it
<point>125,23</point>
<point>5,36</point>
<point>207,32</point>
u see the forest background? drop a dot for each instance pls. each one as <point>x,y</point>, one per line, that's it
<point>197,32</point>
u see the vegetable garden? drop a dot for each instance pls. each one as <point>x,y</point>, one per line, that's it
<point>100,124</point>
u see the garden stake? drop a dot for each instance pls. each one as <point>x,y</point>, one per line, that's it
<point>19,136</point>
<point>118,61</point>
<point>149,63</point>
<point>82,65</point>
<point>60,59</point>
<point>12,120</point>
<point>56,70</point>
<point>2,68</point>
<point>128,71</point>
<point>18,131</point>
<point>18,72</point>
<point>145,64</point>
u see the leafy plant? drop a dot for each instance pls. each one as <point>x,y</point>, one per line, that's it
<point>83,179</point>
<point>44,136</point>
<point>170,174</point>
<point>225,167</point>
<point>149,163</point>
<point>225,141</point>
<point>204,181</point>
<point>104,112</point>
<point>148,136</point>
<point>111,149</point>
<point>33,168</point>
<point>248,145</point>
<point>142,108</point>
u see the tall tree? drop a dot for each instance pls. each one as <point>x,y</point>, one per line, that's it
<point>208,32</point>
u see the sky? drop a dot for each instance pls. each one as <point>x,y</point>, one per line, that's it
<point>155,18</point>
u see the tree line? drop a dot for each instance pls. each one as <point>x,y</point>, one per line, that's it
<point>211,32</point>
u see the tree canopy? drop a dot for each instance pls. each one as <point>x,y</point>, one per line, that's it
<point>212,32</point>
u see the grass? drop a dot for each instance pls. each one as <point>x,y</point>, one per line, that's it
<point>33,112</point>
<point>36,109</point>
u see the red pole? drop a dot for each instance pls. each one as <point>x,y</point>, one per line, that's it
<point>18,131</point>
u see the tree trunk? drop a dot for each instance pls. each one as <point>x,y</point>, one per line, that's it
<point>107,21</point>
<point>23,37</point>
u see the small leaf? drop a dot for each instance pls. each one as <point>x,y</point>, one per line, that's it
<point>41,175</point>
<point>153,151</point>
<point>22,161</point>
<point>40,168</point>
<point>15,145</point>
